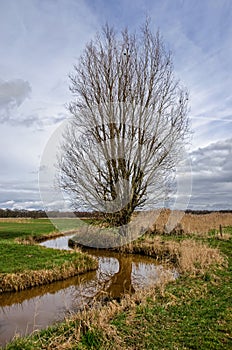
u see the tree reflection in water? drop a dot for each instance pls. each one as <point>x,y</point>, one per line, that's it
<point>121,282</point>
<point>113,278</point>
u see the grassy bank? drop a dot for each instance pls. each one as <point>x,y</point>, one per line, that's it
<point>192,312</point>
<point>25,264</point>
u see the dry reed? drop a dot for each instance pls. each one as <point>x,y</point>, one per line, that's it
<point>190,223</point>
<point>19,281</point>
<point>38,239</point>
<point>189,256</point>
<point>17,220</point>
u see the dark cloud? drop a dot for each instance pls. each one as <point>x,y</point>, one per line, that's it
<point>212,176</point>
<point>14,92</point>
<point>215,159</point>
<point>27,121</point>
<point>12,95</point>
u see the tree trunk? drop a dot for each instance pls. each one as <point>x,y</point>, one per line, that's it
<point>119,218</point>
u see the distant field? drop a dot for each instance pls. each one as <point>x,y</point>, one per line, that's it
<point>189,222</point>
<point>21,228</point>
<point>11,228</point>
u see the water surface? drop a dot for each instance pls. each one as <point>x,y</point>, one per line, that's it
<point>25,311</point>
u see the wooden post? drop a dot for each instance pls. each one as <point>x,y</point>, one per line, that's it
<point>220,230</point>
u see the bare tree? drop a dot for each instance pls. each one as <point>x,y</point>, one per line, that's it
<point>128,127</point>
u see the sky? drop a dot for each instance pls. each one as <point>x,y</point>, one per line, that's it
<point>41,40</point>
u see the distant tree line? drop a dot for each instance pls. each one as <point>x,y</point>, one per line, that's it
<point>204,212</point>
<point>35,214</point>
<point>21,213</point>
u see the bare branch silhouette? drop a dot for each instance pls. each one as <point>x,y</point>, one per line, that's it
<point>128,128</point>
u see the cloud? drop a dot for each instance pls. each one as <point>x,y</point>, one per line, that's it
<point>212,176</point>
<point>42,56</point>
<point>28,205</point>
<point>20,193</point>
<point>13,93</point>
<point>214,158</point>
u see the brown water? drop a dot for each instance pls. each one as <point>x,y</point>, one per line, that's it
<point>32,309</point>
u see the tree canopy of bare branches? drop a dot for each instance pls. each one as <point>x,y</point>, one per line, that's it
<point>129,124</point>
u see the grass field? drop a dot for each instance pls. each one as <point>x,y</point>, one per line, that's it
<point>37,228</point>
<point>193,312</point>
<point>25,264</point>
<point>18,228</point>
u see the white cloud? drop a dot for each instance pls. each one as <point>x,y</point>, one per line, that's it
<point>28,205</point>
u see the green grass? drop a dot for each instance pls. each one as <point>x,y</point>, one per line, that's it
<point>228,230</point>
<point>38,227</point>
<point>191,313</point>
<point>20,258</point>
<point>31,227</point>
<point>67,224</point>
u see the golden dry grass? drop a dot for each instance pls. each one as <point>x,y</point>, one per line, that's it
<point>189,256</point>
<point>17,220</point>
<point>196,257</point>
<point>99,317</point>
<point>41,238</point>
<point>32,278</point>
<point>190,223</point>
<point>204,223</point>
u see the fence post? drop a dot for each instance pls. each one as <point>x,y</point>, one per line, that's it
<point>220,230</point>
